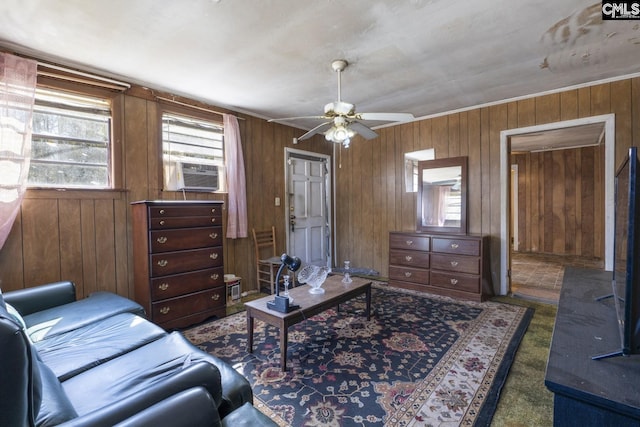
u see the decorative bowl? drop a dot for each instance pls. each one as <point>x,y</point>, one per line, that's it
<point>314,276</point>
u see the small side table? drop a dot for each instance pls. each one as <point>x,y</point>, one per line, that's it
<point>234,289</point>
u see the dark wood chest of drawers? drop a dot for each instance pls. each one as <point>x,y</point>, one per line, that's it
<point>178,261</point>
<point>450,265</point>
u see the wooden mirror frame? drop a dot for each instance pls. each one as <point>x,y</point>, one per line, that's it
<point>427,165</point>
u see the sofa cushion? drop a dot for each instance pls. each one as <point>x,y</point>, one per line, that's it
<point>67,317</point>
<point>75,351</point>
<point>55,407</point>
<point>136,371</point>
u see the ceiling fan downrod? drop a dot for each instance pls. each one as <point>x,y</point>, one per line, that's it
<point>338,66</point>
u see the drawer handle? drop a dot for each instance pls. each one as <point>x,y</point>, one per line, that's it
<point>213,235</point>
<point>214,220</point>
<point>215,276</point>
<point>407,274</point>
<point>408,258</point>
<point>161,211</point>
<point>162,239</point>
<point>163,287</point>
<point>165,310</point>
<point>162,222</point>
<point>163,263</point>
<point>213,256</point>
<point>215,297</point>
<point>454,281</point>
<point>213,210</point>
<point>454,245</point>
<point>454,263</point>
<point>409,242</point>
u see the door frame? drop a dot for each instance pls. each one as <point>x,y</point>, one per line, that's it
<point>505,178</point>
<point>514,207</point>
<point>327,196</point>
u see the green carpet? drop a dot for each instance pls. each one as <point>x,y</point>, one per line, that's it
<point>525,401</point>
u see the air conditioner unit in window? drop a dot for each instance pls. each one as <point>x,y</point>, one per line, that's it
<point>192,176</point>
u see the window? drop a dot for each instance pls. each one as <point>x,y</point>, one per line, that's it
<point>193,153</point>
<point>71,141</point>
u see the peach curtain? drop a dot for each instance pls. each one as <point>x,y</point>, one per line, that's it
<point>434,204</point>
<point>236,181</point>
<point>17,93</point>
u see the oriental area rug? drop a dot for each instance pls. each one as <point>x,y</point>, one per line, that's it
<point>421,360</point>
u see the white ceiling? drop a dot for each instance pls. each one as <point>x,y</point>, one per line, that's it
<point>271,58</point>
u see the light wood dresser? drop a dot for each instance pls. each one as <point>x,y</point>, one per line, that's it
<point>178,261</point>
<point>451,265</point>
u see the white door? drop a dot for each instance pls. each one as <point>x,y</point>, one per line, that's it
<point>308,205</point>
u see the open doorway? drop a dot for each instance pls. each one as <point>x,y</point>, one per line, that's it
<point>559,208</point>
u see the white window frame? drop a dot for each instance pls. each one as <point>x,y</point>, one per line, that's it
<point>204,146</point>
<point>80,106</point>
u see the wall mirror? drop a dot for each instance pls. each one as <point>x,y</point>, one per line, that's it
<point>442,195</point>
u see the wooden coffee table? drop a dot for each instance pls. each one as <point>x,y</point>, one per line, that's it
<point>336,292</point>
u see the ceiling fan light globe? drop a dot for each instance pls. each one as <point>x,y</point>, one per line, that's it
<point>339,108</point>
<point>328,108</point>
<point>344,108</point>
<point>340,134</point>
<point>328,135</point>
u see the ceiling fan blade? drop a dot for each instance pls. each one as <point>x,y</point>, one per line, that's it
<point>362,130</point>
<point>388,117</point>
<point>318,129</point>
<point>298,118</point>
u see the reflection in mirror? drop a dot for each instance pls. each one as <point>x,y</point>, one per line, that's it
<point>442,195</point>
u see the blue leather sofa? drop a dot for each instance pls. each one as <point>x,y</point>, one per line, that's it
<point>98,362</point>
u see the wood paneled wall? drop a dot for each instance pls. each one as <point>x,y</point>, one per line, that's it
<point>370,195</point>
<point>561,202</point>
<point>86,236</point>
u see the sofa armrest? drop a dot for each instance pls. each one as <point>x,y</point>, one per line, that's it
<point>193,407</point>
<point>247,416</point>
<point>202,374</point>
<point>38,298</point>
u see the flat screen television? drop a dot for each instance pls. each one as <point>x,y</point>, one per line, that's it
<point>626,255</point>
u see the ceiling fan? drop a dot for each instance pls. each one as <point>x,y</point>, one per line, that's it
<point>341,122</point>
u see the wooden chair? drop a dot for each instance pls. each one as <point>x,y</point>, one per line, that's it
<point>267,259</point>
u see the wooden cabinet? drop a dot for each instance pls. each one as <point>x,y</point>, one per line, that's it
<point>451,265</point>
<point>178,261</point>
